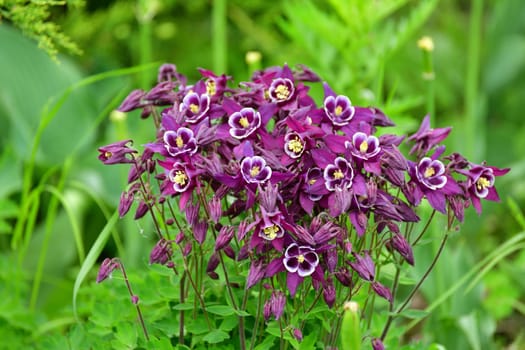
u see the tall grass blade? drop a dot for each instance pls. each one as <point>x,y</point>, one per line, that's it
<point>92,257</point>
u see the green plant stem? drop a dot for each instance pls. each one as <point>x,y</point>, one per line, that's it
<point>181,312</point>
<point>257,317</point>
<point>415,289</point>
<point>474,123</point>
<point>219,36</point>
<point>424,228</point>
<point>139,313</point>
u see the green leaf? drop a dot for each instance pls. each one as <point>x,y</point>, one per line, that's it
<point>127,334</point>
<point>92,257</point>
<point>221,310</point>
<point>184,306</point>
<point>216,336</point>
<point>267,343</point>
<point>414,313</point>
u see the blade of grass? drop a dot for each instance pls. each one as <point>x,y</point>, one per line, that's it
<point>50,221</point>
<point>48,113</point>
<point>516,212</point>
<point>105,211</point>
<point>92,257</point>
<point>508,247</point>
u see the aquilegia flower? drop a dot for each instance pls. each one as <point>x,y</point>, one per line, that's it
<point>261,177</point>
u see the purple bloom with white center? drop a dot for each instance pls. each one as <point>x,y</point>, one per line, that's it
<point>431,173</point>
<point>300,259</point>
<point>480,184</point>
<point>244,123</point>
<point>281,90</point>
<point>195,106</point>
<point>340,174</point>
<point>339,109</point>
<point>180,142</point>
<point>293,145</point>
<point>364,146</point>
<point>179,177</point>
<point>255,170</point>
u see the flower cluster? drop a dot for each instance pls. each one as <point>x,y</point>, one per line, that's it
<point>268,175</point>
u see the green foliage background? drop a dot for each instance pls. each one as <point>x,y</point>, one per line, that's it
<point>56,197</point>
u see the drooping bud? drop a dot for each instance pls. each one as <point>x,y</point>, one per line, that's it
<point>106,268</point>
<point>377,344</point>
<point>364,266</point>
<point>215,209</point>
<point>329,293</point>
<point>255,274</point>
<point>161,252</point>
<point>199,231</point>
<point>382,291</point>
<point>400,244</point>
<point>224,238</point>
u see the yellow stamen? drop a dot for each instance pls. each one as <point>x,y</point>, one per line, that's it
<point>108,154</point>
<point>255,171</point>
<point>179,141</point>
<point>312,181</point>
<point>363,147</point>
<point>271,232</point>
<point>282,92</point>
<point>338,174</point>
<point>300,258</point>
<point>180,177</point>
<point>482,183</point>
<point>295,145</point>
<point>194,108</point>
<point>211,87</point>
<point>338,110</point>
<point>244,122</point>
<point>429,172</point>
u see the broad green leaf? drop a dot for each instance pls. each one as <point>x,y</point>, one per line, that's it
<point>216,336</point>
<point>221,310</point>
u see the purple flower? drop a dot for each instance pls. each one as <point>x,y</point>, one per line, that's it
<point>180,178</point>
<point>116,153</point>
<point>377,344</point>
<point>294,145</point>
<point>480,183</point>
<point>195,106</point>
<point>161,252</point>
<point>431,173</point>
<point>400,244</point>
<point>339,174</point>
<point>364,146</point>
<point>244,123</point>
<point>132,101</point>
<point>106,268</point>
<point>281,90</point>
<point>426,138</point>
<point>300,259</point>
<point>271,231</point>
<point>255,170</point>
<point>364,266</point>
<point>382,291</point>
<point>339,109</point>
<point>275,305</point>
<point>180,142</point>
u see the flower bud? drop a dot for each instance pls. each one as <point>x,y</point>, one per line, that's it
<point>377,344</point>
<point>215,209</point>
<point>106,268</point>
<point>382,291</point>
<point>224,238</point>
<point>350,327</point>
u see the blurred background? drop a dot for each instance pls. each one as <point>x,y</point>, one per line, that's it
<point>65,68</point>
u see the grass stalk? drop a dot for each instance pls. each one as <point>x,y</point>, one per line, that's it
<point>219,36</point>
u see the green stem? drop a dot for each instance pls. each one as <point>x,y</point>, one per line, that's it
<point>219,41</point>
<point>415,289</point>
<point>474,123</point>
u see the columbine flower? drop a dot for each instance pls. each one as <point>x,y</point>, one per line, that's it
<point>293,145</point>
<point>431,173</point>
<point>340,174</point>
<point>161,252</point>
<point>244,123</point>
<point>275,305</point>
<point>180,142</point>
<point>255,170</point>
<point>179,177</point>
<point>106,268</point>
<point>281,90</point>
<point>300,259</point>
<point>339,109</point>
<point>363,146</point>
<point>426,138</point>
<point>364,266</point>
<point>195,106</point>
<point>116,153</point>
<point>480,183</point>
